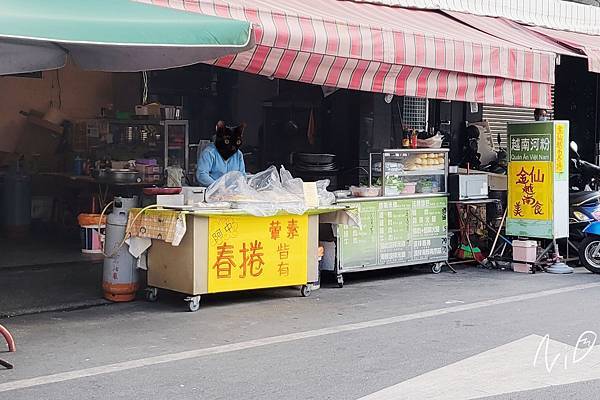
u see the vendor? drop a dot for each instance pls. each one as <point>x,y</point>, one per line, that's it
<point>539,114</point>
<point>223,156</point>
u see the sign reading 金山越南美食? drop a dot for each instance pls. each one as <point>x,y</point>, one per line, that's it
<point>530,190</point>
<point>248,252</point>
<point>538,184</point>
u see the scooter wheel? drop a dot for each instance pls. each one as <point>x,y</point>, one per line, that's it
<point>589,253</point>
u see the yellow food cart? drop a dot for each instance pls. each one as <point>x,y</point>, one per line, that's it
<point>230,250</point>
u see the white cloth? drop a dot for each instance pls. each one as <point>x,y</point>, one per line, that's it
<point>137,247</point>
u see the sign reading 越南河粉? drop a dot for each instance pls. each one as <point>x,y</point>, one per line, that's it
<point>538,180</point>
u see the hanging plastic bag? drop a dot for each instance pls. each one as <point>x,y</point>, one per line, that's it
<point>326,198</point>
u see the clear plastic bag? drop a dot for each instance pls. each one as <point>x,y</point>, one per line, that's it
<point>291,184</point>
<point>232,186</point>
<point>295,185</point>
<point>261,194</point>
<point>326,198</point>
<point>265,180</point>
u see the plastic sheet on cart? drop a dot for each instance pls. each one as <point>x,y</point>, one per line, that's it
<point>261,194</point>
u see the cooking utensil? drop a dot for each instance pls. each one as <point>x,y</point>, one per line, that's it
<point>365,191</point>
<point>314,158</point>
<point>123,176</point>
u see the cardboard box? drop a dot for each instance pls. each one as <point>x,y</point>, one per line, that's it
<point>152,178</point>
<point>193,194</point>
<point>150,173</point>
<point>173,200</point>
<point>524,250</point>
<point>498,181</point>
<point>148,169</point>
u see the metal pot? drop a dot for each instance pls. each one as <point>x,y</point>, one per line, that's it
<point>123,176</point>
<point>314,158</point>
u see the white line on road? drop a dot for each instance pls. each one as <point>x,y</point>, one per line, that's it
<point>530,363</point>
<point>228,348</point>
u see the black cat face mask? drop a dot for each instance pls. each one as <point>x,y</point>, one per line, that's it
<point>228,139</point>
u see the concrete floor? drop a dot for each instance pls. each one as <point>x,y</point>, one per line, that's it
<point>43,273</point>
<point>42,250</point>
<point>380,330</point>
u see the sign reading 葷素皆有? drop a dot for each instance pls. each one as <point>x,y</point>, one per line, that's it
<point>538,185</point>
<point>246,252</point>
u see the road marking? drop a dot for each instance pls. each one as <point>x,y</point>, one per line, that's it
<point>228,348</point>
<point>514,367</point>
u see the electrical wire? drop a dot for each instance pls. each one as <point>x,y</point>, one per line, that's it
<point>59,90</point>
<point>127,234</point>
<point>145,88</point>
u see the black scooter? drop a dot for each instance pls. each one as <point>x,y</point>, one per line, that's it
<point>584,211</point>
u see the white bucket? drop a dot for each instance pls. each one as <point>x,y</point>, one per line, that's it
<point>92,237</point>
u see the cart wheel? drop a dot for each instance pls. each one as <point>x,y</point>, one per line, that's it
<point>152,294</point>
<point>305,290</point>
<point>193,303</point>
<point>340,281</point>
<point>436,268</point>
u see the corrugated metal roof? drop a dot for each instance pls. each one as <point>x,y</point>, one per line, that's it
<point>553,14</point>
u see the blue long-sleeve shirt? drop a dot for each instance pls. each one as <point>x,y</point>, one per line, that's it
<point>211,165</point>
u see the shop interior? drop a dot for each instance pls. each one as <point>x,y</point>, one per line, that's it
<point>63,129</point>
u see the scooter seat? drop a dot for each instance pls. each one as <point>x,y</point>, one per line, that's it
<point>577,198</point>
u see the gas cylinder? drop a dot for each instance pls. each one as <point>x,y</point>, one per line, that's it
<point>120,277</point>
<point>16,202</point>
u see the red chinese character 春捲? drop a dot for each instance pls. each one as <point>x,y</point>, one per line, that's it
<point>292,229</point>
<point>252,259</point>
<point>224,261</point>
<point>275,228</point>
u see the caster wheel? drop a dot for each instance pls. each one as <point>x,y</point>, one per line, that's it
<point>152,294</point>
<point>305,290</point>
<point>340,281</point>
<point>193,303</point>
<point>436,268</point>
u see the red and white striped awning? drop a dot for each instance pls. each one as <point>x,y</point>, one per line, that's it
<point>513,32</point>
<point>383,49</point>
<point>588,44</point>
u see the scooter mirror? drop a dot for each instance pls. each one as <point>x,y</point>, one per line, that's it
<point>574,147</point>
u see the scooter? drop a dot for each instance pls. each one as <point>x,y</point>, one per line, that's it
<point>584,205</point>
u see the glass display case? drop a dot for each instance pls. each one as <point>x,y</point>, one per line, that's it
<point>176,144</point>
<point>409,172</point>
<point>164,140</point>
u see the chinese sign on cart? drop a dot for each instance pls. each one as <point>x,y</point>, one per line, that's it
<point>538,179</point>
<point>395,232</point>
<point>251,253</point>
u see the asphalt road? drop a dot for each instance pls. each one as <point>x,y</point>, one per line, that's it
<point>390,334</point>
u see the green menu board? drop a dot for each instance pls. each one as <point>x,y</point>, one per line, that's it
<point>395,232</point>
